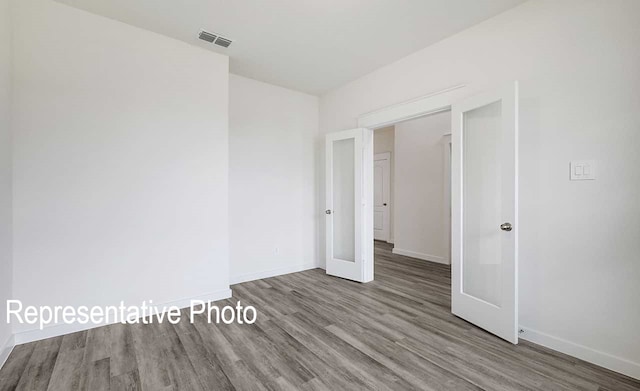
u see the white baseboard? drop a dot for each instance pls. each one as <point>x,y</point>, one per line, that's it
<point>593,356</point>
<point>424,257</point>
<point>62,329</point>
<point>273,273</point>
<point>5,350</point>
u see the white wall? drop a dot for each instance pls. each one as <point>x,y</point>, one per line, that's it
<point>120,162</point>
<point>272,171</point>
<point>5,176</point>
<point>384,141</point>
<point>419,187</point>
<point>577,62</point>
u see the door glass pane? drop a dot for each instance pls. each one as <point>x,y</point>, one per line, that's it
<point>343,200</point>
<point>482,250</point>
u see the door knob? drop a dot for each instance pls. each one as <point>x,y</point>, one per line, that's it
<point>328,211</point>
<point>384,204</point>
<point>506,226</point>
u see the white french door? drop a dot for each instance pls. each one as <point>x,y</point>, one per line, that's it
<point>484,209</point>
<point>349,204</point>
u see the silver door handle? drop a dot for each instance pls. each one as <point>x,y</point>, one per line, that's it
<point>506,227</point>
<point>328,211</point>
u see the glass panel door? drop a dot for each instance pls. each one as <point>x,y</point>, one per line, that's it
<point>349,204</point>
<point>484,206</point>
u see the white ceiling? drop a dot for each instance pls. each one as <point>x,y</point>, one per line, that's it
<point>307,45</point>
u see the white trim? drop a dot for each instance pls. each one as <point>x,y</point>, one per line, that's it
<point>427,104</point>
<point>424,257</point>
<point>446,195</point>
<point>62,329</point>
<point>367,205</point>
<point>593,356</point>
<point>273,272</point>
<point>6,349</point>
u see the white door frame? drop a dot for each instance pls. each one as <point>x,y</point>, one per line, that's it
<point>386,196</point>
<point>414,108</point>
<point>446,144</point>
<point>435,102</point>
<point>427,104</point>
<point>432,103</point>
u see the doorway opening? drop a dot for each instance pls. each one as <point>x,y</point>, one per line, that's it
<point>412,188</point>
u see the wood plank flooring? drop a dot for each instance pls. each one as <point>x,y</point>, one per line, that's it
<point>313,332</point>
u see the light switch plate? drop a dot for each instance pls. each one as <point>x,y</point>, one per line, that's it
<point>583,170</point>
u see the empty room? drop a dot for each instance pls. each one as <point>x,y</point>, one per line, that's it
<point>319,195</point>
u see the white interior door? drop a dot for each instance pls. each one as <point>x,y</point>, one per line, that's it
<point>349,204</point>
<point>381,196</point>
<point>485,211</point>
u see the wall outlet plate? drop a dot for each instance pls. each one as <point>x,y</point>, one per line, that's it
<point>582,170</point>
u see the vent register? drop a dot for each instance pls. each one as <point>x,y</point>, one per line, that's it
<point>215,39</point>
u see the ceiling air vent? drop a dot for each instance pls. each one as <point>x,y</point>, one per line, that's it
<point>205,36</point>
<point>223,42</point>
<point>214,38</point>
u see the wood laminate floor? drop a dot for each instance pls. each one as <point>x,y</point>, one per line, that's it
<point>313,332</point>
